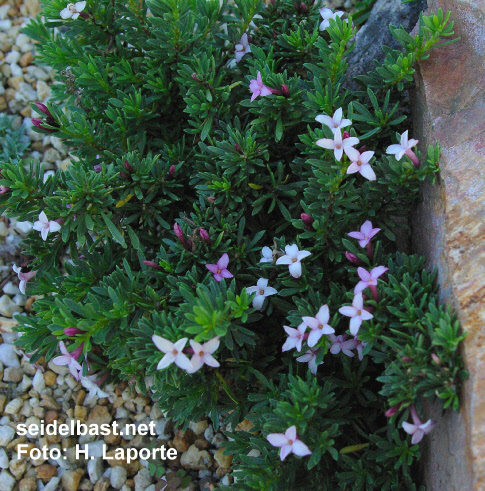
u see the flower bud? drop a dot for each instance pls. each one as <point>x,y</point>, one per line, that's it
<point>436,359</point>
<point>362,149</point>
<point>78,351</point>
<point>194,77</point>
<point>237,147</point>
<point>406,359</point>
<point>72,331</point>
<point>211,199</point>
<point>353,258</point>
<point>204,235</point>
<point>179,233</point>
<point>285,90</point>
<point>128,166</point>
<point>4,189</point>
<point>43,109</point>
<point>171,170</point>
<point>153,265</point>
<point>306,219</point>
<point>97,168</point>
<point>303,8</point>
<point>345,135</point>
<point>392,411</point>
<point>124,175</point>
<point>38,123</point>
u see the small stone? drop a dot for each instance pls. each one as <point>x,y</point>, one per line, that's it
<point>43,90</point>
<point>38,382</point>
<point>142,480</point>
<point>199,427</point>
<point>8,357</point>
<point>99,415</point>
<point>3,400</point>
<point>222,460</point>
<point>7,481</point>
<point>117,477</point>
<point>196,459</point>
<point>50,417</point>
<point>86,485</point>
<point>113,461</point>
<point>51,155</point>
<point>52,485</point>
<point>183,440</point>
<point>102,484</point>
<point>3,459</point>
<point>24,228</point>
<point>202,444</point>
<point>80,413</point>
<point>26,59</point>
<point>8,307</point>
<point>71,479</point>
<point>12,57</point>
<point>95,469</point>
<point>45,472</point>
<point>12,374</point>
<point>28,484</point>
<point>21,40</point>
<point>50,378</point>
<point>15,82</point>
<point>14,406</point>
<point>18,467</point>
<point>19,300</point>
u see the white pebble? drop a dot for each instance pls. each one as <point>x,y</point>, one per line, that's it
<point>8,356</point>
<point>23,227</point>
<point>19,300</point>
<point>8,307</point>
<point>13,406</point>
<point>15,70</point>
<point>12,57</point>
<point>10,289</point>
<point>21,40</point>
<point>6,435</point>
<point>3,459</point>
<point>3,229</point>
<point>6,24</point>
<point>118,477</point>
<point>95,469</point>
<point>38,384</point>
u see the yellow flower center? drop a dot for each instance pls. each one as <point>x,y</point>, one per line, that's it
<point>218,271</point>
<point>261,292</point>
<point>294,259</point>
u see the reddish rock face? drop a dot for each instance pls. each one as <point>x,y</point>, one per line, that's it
<point>449,228</point>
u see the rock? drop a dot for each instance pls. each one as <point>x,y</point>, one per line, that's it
<point>28,484</point>
<point>95,469</point>
<point>43,90</point>
<point>131,468</point>
<point>183,440</point>
<point>372,35</point>
<point>142,480</point>
<point>196,459</point>
<point>52,485</point>
<point>99,415</point>
<point>45,472</point>
<point>25,93</point>
<point>3,459</point>
<point>71,479</point>
<point>7,481</point>
<point>50,378</point>
<point>164,429</point>
<point>17,467</point>
<point>7,307</point>
<point>86,485</point>
<point>38,382</point>
<point>51,155</point>
<point>8,357</point>
<point>13,407</point>
<point>102,484</point>
<point>199,427</point>
<point>26,59</point>
<point>12,374</point>
<point>117,477</point>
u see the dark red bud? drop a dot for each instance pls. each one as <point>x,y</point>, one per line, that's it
<point>362,149</point>
<point>72,331</point>
<point>97,168</point>
<point>194,76</point>
<point>345,135</point>
<point>128,166</point>
<point>285,90</point>
<point>38,123</point>
<point>275,34</point>
<point>204,235</point>
<point>171,170</point>
<point>392,411</point>
<point>306,219</point>
<point>211,199</point>
<point>43,109</point>
<point>124,175</point>
<point>153,265</point>
<point>4,189</point>
<point>353,258</point>
<point>237,147</point>
<point>84,15</point>
<point>303,8</point>
<point>60,221</point>
<point>406,359</point>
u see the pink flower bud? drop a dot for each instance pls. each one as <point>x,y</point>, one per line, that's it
<point>124,175</point>
<point>43,109</point>
<point>353,258</point>
<point>204,236</point>
<point>153,265</point>
<point>97,168</point>
<point>171,170</point>
<point>306,219</point>
<point>4,189</point>
<point>345,135</point>
<point>194,76</point>
<point>285,90</point>
<point>60,221</point>
<point>72,331</point>
<point>362,149</point>
<point>179,233</point>
<point>211,199</point>
<point>38,123</point>
<point>128,166</point>
<point>237,147</point>
<point>392,411</point>
<point>406,359</point>
<point>78,351</point>
<point>436,359</point>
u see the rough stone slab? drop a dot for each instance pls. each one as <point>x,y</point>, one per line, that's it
<point>449,229</point>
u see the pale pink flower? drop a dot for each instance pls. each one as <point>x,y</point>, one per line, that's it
<point>357,314</point>
<point>293,258</point>
<point>338,145</point>
<point>257,87</point>
<point>418,429</point>
<point>327,14</point>
<point>366,233</point>
<point>267,255</point>
<point>23,277</point>
<point>334,123</point>
<point>360,348</point>
<point>295,337</point>
<point>173,353</point>
<point>309,357</point>
<point>69,359</point>
<point>242,48</point>
<point>72,11</point>
<point>360,163</point>
<point>262,291</point>
<point>341,343</point>
<point>203,354</point>
<point>368,278</point>
<point>318,325</point>
<point>44,226</point>
<point>289,443</point>
<point>220,269</point>
<point>404,148</point>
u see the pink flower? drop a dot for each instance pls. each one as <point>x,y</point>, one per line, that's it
<point>289,443</point>
<point>173,353</point>
<point>338,145</point>
<point>220,269</point>
<point>258,88</point>
<point>334,123</point>
<point>309,357</point>
<point>295,337</point>
<point>404,148</point>
<point>418,429</point>
<point>69,359</point>
<point>73,10</point>
<point>44,226</point>
<point>262,291</point>
<point>23,277</point>
<point>242,48</point>
<point>360,163</point>
<point>368,278</point>
<point>357,314</point>
<point>341,343</point>
<point>203,354</point>
<point>318,325</point>
<point>293,258</point>
<point>366,233</point>
<point>360,347</point>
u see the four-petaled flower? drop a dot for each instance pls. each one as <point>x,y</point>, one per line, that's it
<point>203,354</point>
<point>366,233</point>
<point>262,291</point>
<point>220,269</point>
<point>338,145</point>
<point>309,357</point>
<point>289,443</point>
<point>173,353</point>
<point>368,278</point>
<point>69,359</point>
<point>72,11</point>
<point>334,123</point>
<point>242,48</point>
<point>418,429</point>
<point>327,14</point>
<point>293,258</point>
<point>23,277</point>
<point>404,148</point>
<point>360,163</point>
<point>357,314</point>
<point>295,337</point>
<point>318,325</point>
<point>341,343</point>
<point>267,253</point>
<point>44,226</point>
<point>257,87</point>
<point>91,383</point>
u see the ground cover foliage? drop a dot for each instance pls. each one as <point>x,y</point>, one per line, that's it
<point>176,167</point>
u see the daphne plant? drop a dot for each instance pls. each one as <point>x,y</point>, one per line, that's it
<point>207,214</point>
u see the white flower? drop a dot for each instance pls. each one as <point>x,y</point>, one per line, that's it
<point>202,354</point>
<point>293,258</point>
<point>89,383</point>
<point>309,357</point>
<point>357,313</point>
<point>338,145</point>
<point>173,353</point>
<point>295,337</point>
<point>289,443</point>
<point>267,255</point>
<point>402,148</point>
<point>334,123</point>
<point>72,10</point>
<point>328,14</point>
<point>318,325</point>
<point>262,291</point>
<point>44,226</point>
<point>360,163</point>
<point>242,48</point>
